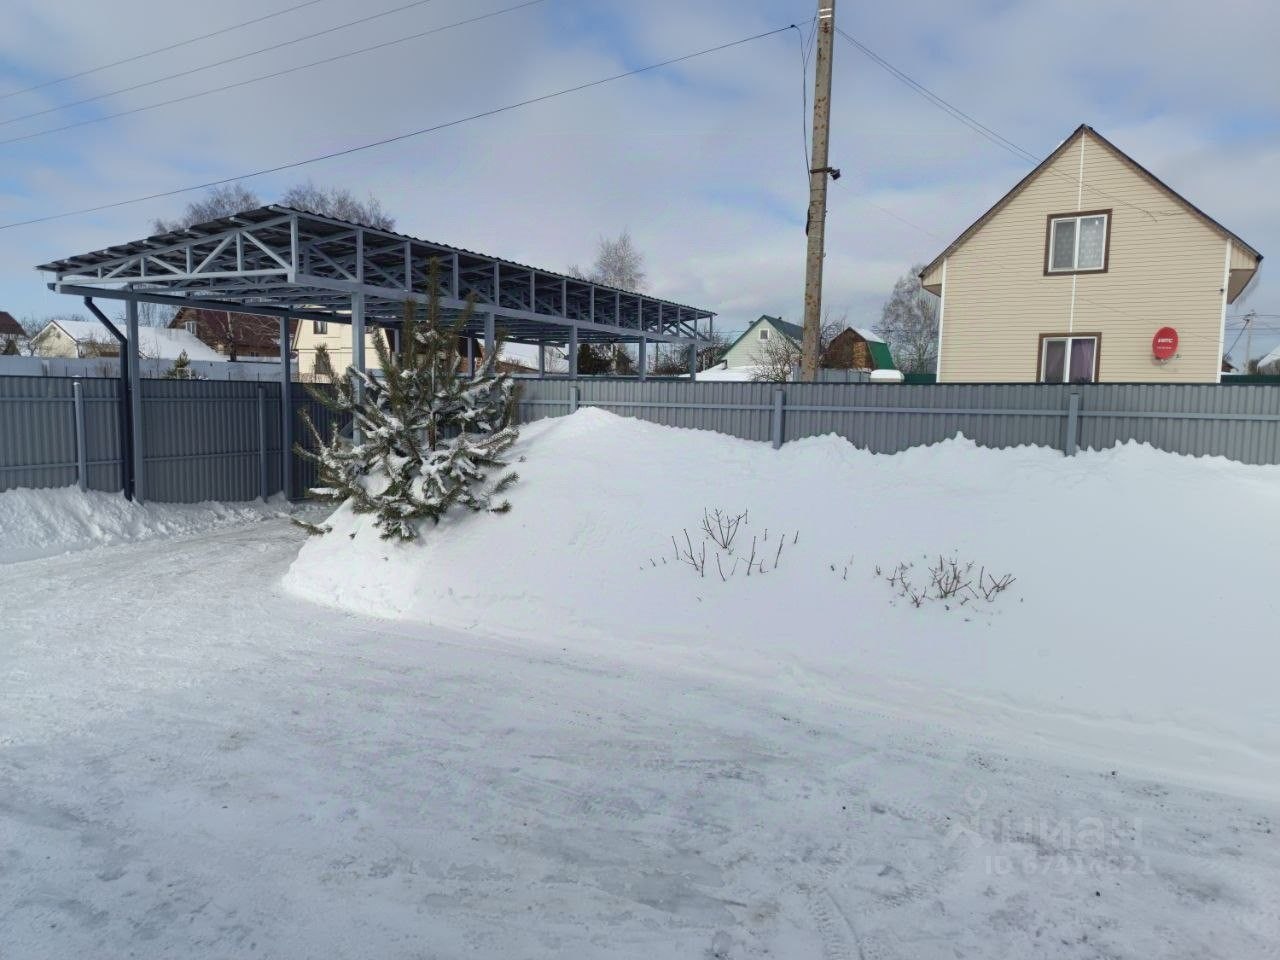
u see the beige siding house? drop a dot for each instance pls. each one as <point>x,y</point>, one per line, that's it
<point>336,337</point>
<point>1072,273</point>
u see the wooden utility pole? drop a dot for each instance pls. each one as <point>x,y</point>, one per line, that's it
<point>818,173</point>
<point>1248,341</point>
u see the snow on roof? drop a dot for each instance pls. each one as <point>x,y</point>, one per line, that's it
<point>721,372</point>
<point>867,335</point>
<point>1270,364</point>
<point>159,343</point>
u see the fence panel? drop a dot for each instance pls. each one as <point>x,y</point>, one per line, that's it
<point>888,418</point>
<point>1238,422</point>
<point>201,440</point>
<point>204,440</point>
<point>38,433</point>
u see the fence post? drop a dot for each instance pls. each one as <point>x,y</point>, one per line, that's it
<point>1073,424</point>
<point>775,425</point>
<point>262,442</point>
<point>573,399</point>
<point>82,459</point>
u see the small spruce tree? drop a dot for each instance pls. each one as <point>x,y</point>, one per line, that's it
<point>429,434</point>
<point>181,369</point>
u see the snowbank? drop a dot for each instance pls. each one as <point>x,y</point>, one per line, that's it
<point>1139,631</point>
<point>41,523</point>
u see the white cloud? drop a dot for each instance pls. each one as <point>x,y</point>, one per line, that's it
<point>702,162</point>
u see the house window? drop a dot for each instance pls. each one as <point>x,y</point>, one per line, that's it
<point>320,327</point>
<point>191,327</point>
<point>1080,243</point>
<point>1069,359</point>
<point>764,333</point>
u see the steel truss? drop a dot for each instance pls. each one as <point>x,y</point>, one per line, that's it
<point>288,264</point>
<point>277,260</point>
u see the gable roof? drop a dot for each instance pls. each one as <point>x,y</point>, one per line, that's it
<point>251,331</point>
<point>881,356</point>
<point>10,327</point>
<point>792,331</point>
<point>1062,148</point>
<point>160,343</point>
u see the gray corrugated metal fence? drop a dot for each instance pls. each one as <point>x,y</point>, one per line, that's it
<point>207,440</point>
<point>203,440</point>
<point>1238,422</point>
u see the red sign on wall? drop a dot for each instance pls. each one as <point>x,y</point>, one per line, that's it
<point>1165,343</point>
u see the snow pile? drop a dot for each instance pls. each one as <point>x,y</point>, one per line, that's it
<point>41,523</point>
<point>1137,633</point>
<point>723,373</point>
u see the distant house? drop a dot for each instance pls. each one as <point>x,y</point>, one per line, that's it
<point>336,339</point>
<point>1270,364</point>
<point>857,349</point>
<point>12,337</point>
<point>83,338</point>
<point>237,336</point>
<point>852,349</point>
<point>1071,274</point>
<point>749,349</point>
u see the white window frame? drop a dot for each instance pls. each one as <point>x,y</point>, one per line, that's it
<point>1069,340</point>
<point>320,328</point>
<point>191,326</point>
<point>1105,216</point>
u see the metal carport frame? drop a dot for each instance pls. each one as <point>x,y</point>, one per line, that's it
<point>282,262</point>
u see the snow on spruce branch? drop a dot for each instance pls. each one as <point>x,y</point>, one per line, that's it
<point>429,435</point>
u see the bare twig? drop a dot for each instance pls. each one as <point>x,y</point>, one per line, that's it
<point>721,527</point>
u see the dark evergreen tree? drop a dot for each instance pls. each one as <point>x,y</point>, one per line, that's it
<point>429,434</point>
<point>181,369</point>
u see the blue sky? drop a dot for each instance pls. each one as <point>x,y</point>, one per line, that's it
<point>701,162</point>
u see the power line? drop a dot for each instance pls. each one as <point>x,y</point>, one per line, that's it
<point>165,49</point>
<point>804,97</point>
<point>294,164</point>
<point>217,63</point>
<point>978,127</point>
<point>975,125</point>
<point>1234,342</point>
<point>268,76</point>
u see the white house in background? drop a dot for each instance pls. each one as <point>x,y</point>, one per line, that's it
<point>1270,364</point>
<point>749,349</point>
<point>84,338</point>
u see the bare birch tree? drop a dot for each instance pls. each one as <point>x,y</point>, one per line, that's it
<point>909,324</point>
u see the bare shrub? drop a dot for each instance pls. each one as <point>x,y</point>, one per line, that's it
<point>694,558</point>
<point>950,581</point>
<point>719,529</point>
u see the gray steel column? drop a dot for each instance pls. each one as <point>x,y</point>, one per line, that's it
<point>357,356</point>
<point>135,398</point>
<point>82,458</point>
<point>1073,425</point>
<point>775,421</point>
<point>693,356</point>
<point>644,358</point>
<point>490,340</point>
<point>573,351</point>
<point>357,331</point>
<point>262,443</point>
<point>542,359</point>
<point>286,410</point>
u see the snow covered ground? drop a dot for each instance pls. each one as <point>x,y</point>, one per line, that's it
<point>40,523</point>
<point>215,769</point>
<point>196,762</point>
<point>1136,633</point>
